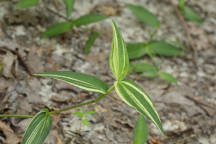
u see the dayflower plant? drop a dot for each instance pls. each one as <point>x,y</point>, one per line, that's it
<point>127,90</point>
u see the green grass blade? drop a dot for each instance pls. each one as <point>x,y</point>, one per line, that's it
<point>38,128</point>
<point>144,15</point>
<point>135,97</point>
<point>119,61</point>
<point>83,81</point>
<point>140,132</point>
<point>90,42</point>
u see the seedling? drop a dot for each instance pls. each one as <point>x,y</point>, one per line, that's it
<point>131,93</point>
<point>151,47</point>
<point>68,24</point>
<point>82,114</point>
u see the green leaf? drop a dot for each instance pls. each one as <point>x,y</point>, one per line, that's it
<point>140,132</point>
<point>90,42</point>
<point>147,70</point>
<point>83,81</point>
<point>57,29</point>
<point>163,48</point>
<point>79,114</point>
<point>90,112</point>
<point>88,19</point>
<point>167,77</point>
<point>26,3</point>
<point>136,50</point>
<point>85,122</point>
<point>69,4</point>
<point>38,128</point>
<point>119,62</point>
<point>181,4</point>
<point>144,15</point>
<point>191,15</point>
<point>135,97</point>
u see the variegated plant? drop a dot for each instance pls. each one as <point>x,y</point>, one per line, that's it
<point>127,90</point>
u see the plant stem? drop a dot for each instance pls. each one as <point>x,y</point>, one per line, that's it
<point>20,116</point>
<point>82,104</point>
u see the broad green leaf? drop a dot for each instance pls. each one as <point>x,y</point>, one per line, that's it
<point>57,29</point>
<point>147,70</point>
<point>167,77</point>
<point>83,81</point>
<point>136,50</point>
<point>191,15</point>
<point>163,48</point>
<point>85,122</point>
<point>135,97</point>
<point>119,62</point>
<point>88,19</point>
<point>144,15</point>
<point>140,132</point>
<point>90,42</point>
<point>38,128</point>
<point>69,4</point>
<point>181,4</point>
<point>26,3</point>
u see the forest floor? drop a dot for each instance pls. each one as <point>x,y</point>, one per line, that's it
<point>187,109</point>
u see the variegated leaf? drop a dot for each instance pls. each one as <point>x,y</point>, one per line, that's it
<point>119,62</point>
<point>135,97</point>
<point>38,128</point>
<point>83,81</point>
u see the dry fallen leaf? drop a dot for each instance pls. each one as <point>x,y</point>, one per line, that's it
<point>10,136</point>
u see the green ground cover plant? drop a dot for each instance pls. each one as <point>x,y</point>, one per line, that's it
<point>131,93</point>
<point>65,26</point>
<point>152,48</point>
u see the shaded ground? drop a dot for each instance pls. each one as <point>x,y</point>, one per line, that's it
<point>187,109</point>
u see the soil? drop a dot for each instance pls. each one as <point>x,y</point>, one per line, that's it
<point>187,109</point>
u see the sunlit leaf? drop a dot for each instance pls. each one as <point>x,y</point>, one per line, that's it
<point>69,4</point>
<point>88,19</point>
<point>26,3</point>
<point>57,29</point>
<point>38,128</point>
<point>85,122</point>
<point>135,97</point>
<point>90,42</point>
<point>83,81</point>
<point>147,70</point>
<point>119,62</point>
<point>144,15</point>
<point>167,77</point>
<point>136,50</point>
<point>163,48</point>
<point>191,15</point>
<point>140,132</point>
